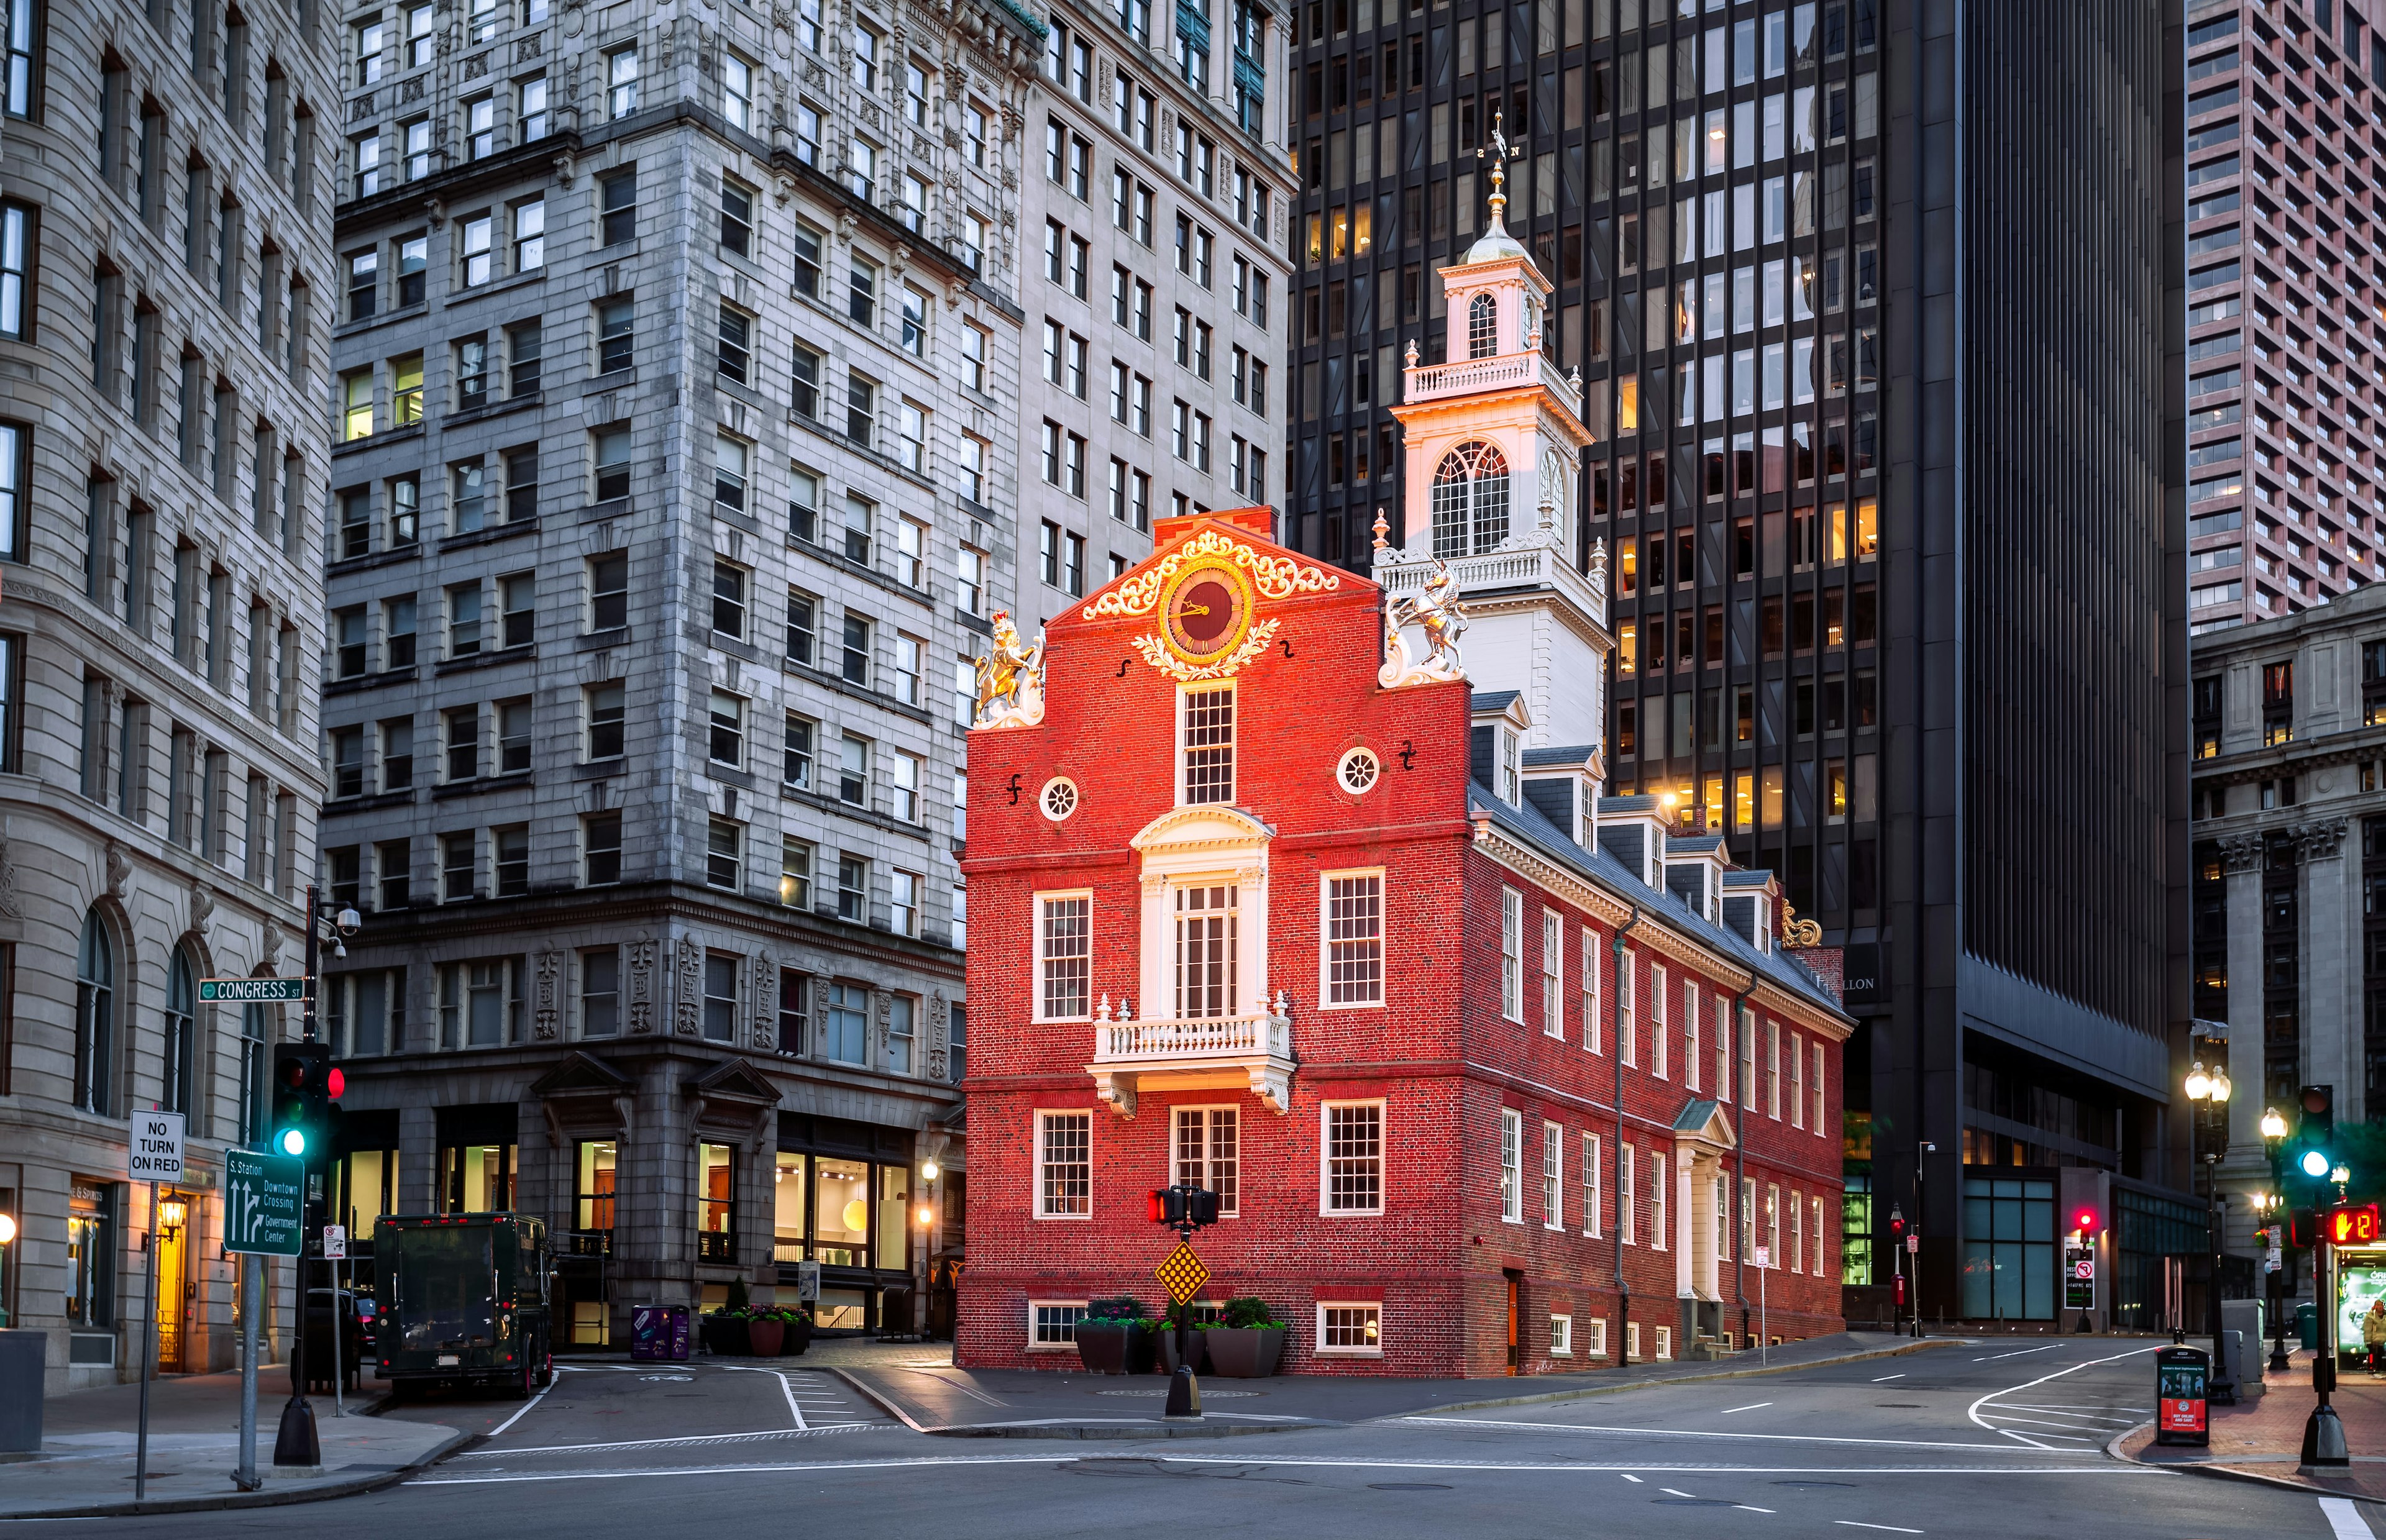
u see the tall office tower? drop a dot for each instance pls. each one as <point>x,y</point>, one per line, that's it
<point>1872,305</point>
<point>1155,198</point>
<point>164,328</point>
<point>673,491</point>
<point>2286,464</point>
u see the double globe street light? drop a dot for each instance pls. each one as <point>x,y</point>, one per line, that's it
<point>2208,1092</point>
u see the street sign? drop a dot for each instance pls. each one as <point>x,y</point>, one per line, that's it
<point>264,1202</point>
<point>1763,1256</point>
<point>335,1243</point>
<point>155,1152</point>
<point>251,992</point>
<point>807,1282</point>
<point>1183,1273</point>
<point>2079,1275</point>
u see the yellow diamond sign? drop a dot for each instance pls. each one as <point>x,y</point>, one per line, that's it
<point>1183,1273</point>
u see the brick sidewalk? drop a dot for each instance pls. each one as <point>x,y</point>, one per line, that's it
<point>2264,1436</point>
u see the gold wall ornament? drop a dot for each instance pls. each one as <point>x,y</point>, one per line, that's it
<point>1799,933</point>
<point>1273,577</point>
<point>1009,678</point>
<point>1161,655</point>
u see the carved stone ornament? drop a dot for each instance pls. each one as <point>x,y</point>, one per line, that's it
<point>119,867</point>
<point>766,1016</point>
<point>1009,678</point>
<point>687,1010</point>
<point>2321,841</point>
<point>642,987</point>
<point>269,947</point>
<point>203,904</point>
<point>1437,611</point>
<point>938,1016</point>
<point>2240,853</point>
<point>543,1015</point>
<point>11,906</point>
<point>1275,577</point>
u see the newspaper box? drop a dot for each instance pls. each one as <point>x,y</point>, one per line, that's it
<point>2182,1415</point>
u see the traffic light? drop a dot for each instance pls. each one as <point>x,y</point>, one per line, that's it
<point>307,1086</point>
<point>2350,1225</point>
<point>1203,1205</point>
<point>1896,1228</point>
<point>1167,1206</point>
<point>2316,1132</point>
<point>1181,1206</point>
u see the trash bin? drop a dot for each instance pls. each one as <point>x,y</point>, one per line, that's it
<point>2307,1325</point>
<point>21,1356</point>
<point>2181,1415</point>
<point>659,1333</point>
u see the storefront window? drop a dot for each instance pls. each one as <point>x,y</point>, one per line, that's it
<point>594,1161</point>
<point>787,1210</point>
<point>841,1213</point>
<point>894,1217</point>
<point>716,1216</point>
<point>367,1188</point>
<point>478,1179</point>
<point>90,1282</point>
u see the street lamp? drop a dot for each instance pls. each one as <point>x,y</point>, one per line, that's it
<point>2270,1206</point>
<point>8,1238</point>
<point>2208,1092</point>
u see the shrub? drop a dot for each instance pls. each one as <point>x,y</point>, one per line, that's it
<point>1122,1309</point>
<point>1248,1310</point>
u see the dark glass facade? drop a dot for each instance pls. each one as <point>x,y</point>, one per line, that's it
<point>1879,308</point>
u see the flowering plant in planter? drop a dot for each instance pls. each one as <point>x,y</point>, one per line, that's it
<point>1112,1337</point>
<point>1246,1340</point>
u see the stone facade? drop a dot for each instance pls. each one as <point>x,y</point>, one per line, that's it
<point>703,504</point>
<point>163,323</point>
<point>2289,830</point>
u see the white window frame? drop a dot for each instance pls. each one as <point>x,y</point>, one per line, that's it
<point>1375,1306</point>
<point>1593,1037</point>
<point>1797,1231</point>
<point>1745,1047</point>
<point>1209,1111</point>
<point>1657,1044</point>
<point>1233,742</point>
<point>1773,1224</point>
<point>1038,920</point>
<point>1036,1345</point>
<point>1691,1045</point>
<point>1324,1157</point>
<point>1664,1346</point>
<point>1553,1176</point>
<point>1797,1083</point>
<point>1590,1194</point>
<point>1820,1089</point>
<point>1512,1166</point>
<point>1626,1206</point>
<point>1773,1069</point>
<point>1325,880</point>
<point>1632,1340</point>
<point>1511,954</point>
<point>1043,1121</point>
<point>1627,1026</point>
<point>1725,1051</point>
<point>1552,975</point>
<point>1819,1233</point>
<point>1660,1196</point>
<point>1597,1346</point>
<point>1561,1335</point>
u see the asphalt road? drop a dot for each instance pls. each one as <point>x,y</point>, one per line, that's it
<point>1993,1440</point>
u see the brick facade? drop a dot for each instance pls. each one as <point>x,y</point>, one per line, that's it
<point>1441,1053</point>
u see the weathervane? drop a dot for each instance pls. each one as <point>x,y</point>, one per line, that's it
<point>1498,174</point>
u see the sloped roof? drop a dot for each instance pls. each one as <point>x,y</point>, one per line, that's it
<point>1604,871</point>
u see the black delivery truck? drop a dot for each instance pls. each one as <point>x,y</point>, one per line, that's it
<point>464,1300</point>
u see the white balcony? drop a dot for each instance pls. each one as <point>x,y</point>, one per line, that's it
<point>1251,1053</point>
<point>1500,372</point>
<point>1509,570</point>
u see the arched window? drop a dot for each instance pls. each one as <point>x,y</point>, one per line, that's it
<point>94,1019</point>
<point>1482,327</point>
<point>1470,500</point>
<point>181,998</point>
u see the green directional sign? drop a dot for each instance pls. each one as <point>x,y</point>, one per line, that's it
<point>264,1203</point>
<point>251,992</point>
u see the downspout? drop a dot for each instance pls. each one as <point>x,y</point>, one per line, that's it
<point>1740,1153</point>
<point>1616,1053</point>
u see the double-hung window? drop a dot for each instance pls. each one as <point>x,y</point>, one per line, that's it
<point>1552,975</point>
<point>1209,1150</point>
<point>1553,1176</point>
<point>1064,956</point>
<point>1353,925</point>
<point>1512,961</point>
<point>1512,1161</point>
<point>1351,1158</point>
<point>1591,1038</point>
<point>1064,1165</point>
<point>1205,961</point>
<point>1209,745</point>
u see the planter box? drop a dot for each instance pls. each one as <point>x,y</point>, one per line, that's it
<point>799,1337</point>
<point>1245,1352</point>
<point>726,1338</point>
<point>1167,1364</point>
<point>1142,1350</point>
<point>1105,1349</point>
<point>764,1338</point>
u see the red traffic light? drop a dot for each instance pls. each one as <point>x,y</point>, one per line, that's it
<point>1166,1205</point>
<point>2084,1221</point>
<point>334,1083</point>
<point>2352,1225</point>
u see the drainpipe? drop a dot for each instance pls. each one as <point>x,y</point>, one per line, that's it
<point>1616,1053</point>
<point>1739,1157</point>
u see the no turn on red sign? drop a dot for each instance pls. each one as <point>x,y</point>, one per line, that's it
<point>155,1150</point>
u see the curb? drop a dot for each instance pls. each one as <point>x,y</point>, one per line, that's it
<point>1086,1429</point>
<point>2228,1472</point>
<point>351,1487</point>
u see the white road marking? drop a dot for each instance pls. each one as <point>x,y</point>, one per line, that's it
<point>1751,1507</point>
<point>635,1444</point>
<point>2344,1518</point>
<point>1700,1433</point>
<point>1634,1480</point>
<point>1973,1411</point>
<point>1886,1378</point>
<point>1751,1407</point>
<point>523,1410</point>
<point>1894,1529</point>
<point>1993,1358</point>
<point>793,1410</point>
<point>1673,1492</point>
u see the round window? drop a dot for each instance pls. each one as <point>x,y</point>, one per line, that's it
<point>1059,798</point>
<point>1358,770</point>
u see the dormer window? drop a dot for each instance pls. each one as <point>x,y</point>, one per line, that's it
<point>1208,740</point>
<point>1482,327</point>
<point>1511,768</point>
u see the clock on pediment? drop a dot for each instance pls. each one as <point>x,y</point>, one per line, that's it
<point>1206,610</point>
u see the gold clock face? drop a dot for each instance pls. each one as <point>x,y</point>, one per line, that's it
<point>1208,611</point>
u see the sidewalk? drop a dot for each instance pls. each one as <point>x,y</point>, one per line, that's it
<point>86,1465</point>
<point>2263,1439</point>
<point>919,1384</point>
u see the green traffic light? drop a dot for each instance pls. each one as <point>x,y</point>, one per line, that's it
<point>2315,1163</point>
<point>292,1140</point>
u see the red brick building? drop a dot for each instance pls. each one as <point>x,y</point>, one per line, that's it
<point>1493,1074</point>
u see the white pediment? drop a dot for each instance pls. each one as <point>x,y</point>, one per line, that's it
<point>1182,831</point>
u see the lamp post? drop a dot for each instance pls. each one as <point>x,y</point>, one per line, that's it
<point>8,1238</point>
<point>2270,1206</point>
<point>2274,1140</point>
<point>2207,1093</point>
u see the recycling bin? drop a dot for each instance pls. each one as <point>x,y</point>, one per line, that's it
<point>659,1333</point>
<point>2307,1325</point>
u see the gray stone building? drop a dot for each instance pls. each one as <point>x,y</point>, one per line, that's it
<point>677,368</point>
<point>2290,853</point>
<point>164,279</point>
<point>1153,233</point>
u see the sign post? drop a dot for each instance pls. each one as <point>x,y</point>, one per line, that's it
<point>154,1155</point>
<point>1764,1322</point>
<point>335,1251</point>
<point>264,1199</point>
